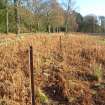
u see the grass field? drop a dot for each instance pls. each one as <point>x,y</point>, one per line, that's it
<point>68,69</point>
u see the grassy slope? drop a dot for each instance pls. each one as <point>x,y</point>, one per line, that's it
<point>70,71</point>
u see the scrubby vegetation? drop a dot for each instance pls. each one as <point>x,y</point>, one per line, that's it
<point>64,75</point>
<point>69,68</point>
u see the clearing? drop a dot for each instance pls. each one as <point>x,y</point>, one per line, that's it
<point>68,69</point>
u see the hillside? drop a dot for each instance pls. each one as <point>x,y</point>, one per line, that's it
<point>68,69</point>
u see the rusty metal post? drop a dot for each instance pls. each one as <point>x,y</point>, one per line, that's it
<point>60,43</point>
<point>32,74</point>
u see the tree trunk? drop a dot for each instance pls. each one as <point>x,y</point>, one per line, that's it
<point>17,17</point>
<point>38,27</point>
<point>57,29</point>
<point>30,28</point>
<point>66,28</point>
<point>66,22</point>
<point>49,28</point>
<point>53,29</point>
<point>7,29</point>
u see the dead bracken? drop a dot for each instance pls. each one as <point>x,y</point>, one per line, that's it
<point>67,72</point>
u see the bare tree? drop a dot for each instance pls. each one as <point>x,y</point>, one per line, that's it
<point>56,19</point>
<point>48,12</point>
<point>37,8</point>
<point>69,7</point>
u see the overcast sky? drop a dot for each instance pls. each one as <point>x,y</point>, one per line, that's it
<point>85,7</point>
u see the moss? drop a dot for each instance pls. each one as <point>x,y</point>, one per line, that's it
<point>42,96</point>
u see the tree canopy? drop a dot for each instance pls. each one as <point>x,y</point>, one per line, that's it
<point>47,16</point>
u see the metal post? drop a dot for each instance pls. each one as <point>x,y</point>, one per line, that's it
<point>60,43</point>
<point>32,75</point>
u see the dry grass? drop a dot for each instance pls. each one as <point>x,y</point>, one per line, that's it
<point>64,69</point>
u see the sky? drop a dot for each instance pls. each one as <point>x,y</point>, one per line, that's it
<point>85,7</point>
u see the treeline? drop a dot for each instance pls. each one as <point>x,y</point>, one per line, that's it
<point>46,16</point>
